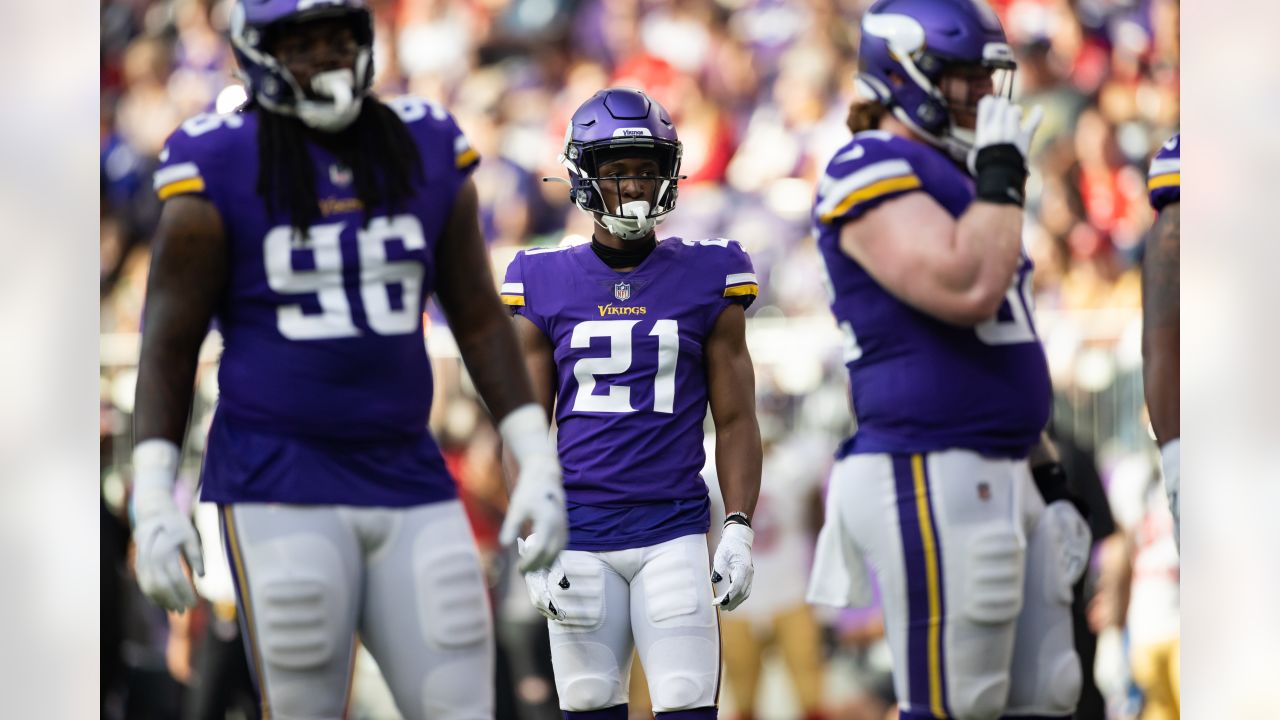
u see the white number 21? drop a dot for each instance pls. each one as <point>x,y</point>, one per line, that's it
<point>618,399</point>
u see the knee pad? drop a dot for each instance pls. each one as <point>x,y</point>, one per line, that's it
<point>981,698</point>
<point>995,567</point>
<point>589,678</point>
<point>683,672</point>
<point>453,609</point>
<point>459,687</point>
<point>1064,684</point>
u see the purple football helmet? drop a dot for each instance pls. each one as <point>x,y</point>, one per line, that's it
<point>334,98</point>
<point>621,122</point>
<point>909,45</point>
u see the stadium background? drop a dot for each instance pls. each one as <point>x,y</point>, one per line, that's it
<point>759,91</point>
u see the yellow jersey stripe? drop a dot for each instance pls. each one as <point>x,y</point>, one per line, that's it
<point>934,589</point>
<point>237,563</point>
<point>748,289</point>
<point>190,185</point>
<point>516,300</point>
<point>1168,180</point>
<point>871,192</point>
<point>466,157</point>
<point>351,676</point>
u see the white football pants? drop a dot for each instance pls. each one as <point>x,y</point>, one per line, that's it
<point>656,599</point>
<point>407,579</point>
<point>976,603</point>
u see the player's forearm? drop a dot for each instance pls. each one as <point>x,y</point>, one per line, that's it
<point>989,236</point>
<point>964,281</point>
<point>1161,333</point>
<point>1160,372</point>
<point>1044,452</point>
<point>166,385</point>
<point>492,356</point>
<point>738,461</point>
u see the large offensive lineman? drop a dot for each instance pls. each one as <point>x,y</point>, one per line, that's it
<point>975,553</point>
<point>313,224</point>
<point>629,339</point>
<point>1160,315</point>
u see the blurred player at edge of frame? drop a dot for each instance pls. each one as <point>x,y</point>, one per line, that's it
<point>919,218</point>
<point>313,224</point>
<point>629,339</point>
<point>1160,315</point>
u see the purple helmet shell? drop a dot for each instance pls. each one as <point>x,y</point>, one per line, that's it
<point>620,121</point>
<point>906,47</point>
<point>267,80</point>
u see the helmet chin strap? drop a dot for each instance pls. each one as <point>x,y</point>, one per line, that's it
<point>635,227</point>
<point>955,141</point>
<point>340,109</point>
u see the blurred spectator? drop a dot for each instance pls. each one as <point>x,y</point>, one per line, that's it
<point>1138,591</point>
<point>777,620</point>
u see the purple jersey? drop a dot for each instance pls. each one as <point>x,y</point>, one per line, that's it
<point>325,386</point>
<point>1164,179</point>
<point>632,379</point>
<point>920,384</point>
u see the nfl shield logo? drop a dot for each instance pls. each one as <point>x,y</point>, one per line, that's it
<point>340,175</point>
<point>622,290</point>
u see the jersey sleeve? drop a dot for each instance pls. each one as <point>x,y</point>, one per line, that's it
<point>193,156</point>
<point>865,173</point>
<point>741,287</point>
<point>513,291</point>
<point>1164,179</point>
<point>444,146</point>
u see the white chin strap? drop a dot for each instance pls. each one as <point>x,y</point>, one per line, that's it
<point>634,227</point>
<point>339,110</point>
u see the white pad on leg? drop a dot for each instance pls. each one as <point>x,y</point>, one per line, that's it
<point>839,575</point>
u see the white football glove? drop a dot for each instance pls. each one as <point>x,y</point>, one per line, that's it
<point>732,561</point>
<point>539,582</point>
<point>539,494</point>
<point>1000,123</point>
<point>1072,538</point>
<point>161,533</point>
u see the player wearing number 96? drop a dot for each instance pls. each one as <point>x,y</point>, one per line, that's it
<point>919,221</point>
<point>313,223</point>
<point>629,339</point>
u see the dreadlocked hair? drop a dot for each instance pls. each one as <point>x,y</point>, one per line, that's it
<point>865,115</point>
<point>378,149</point>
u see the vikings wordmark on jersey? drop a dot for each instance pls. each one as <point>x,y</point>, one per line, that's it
<point>631,393</point>
<point>918,383</point>
<point>325,383</point>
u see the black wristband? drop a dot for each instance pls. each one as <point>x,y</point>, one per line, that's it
<point>1002,174</point>
<point>740,518</point>
<point>1051,481</point>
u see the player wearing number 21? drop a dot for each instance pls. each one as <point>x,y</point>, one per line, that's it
<point>313,224</point>
<point>919,221</point>
<point>629,339</point>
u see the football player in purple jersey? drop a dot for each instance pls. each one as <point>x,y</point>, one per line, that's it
<point>1160,314</point>
<point>313,224</point>
<point>919,221</point>
<point>628,340</point>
